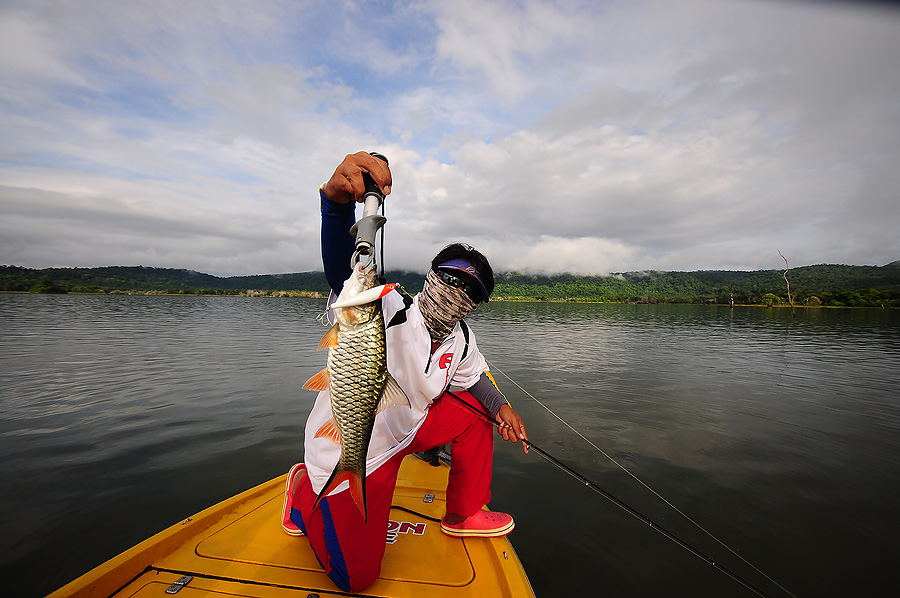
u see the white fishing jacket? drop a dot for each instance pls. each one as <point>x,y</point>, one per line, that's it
<point>423,376</point>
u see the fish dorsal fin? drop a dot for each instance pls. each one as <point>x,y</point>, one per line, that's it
<point>318,381</point>
<point>330,431</point>
<point>330,339</point>
<point>391,396</point>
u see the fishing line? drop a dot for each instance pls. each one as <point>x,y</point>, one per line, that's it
<point>644,484</point>
<point>619,503</point>
<point>381,245</point>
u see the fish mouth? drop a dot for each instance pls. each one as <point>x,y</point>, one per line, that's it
<point>367,274</point>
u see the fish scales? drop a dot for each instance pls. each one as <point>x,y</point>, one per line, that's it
<point>358,371</point>
<point>357,379</point>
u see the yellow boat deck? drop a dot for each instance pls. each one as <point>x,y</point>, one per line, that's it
<point>237,548</point>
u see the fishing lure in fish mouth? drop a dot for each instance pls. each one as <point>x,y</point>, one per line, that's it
<point>368,296</point>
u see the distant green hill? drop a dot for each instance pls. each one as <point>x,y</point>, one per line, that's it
<point>142,279</point>
<point>810,285</point>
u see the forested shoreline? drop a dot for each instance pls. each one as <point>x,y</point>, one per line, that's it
<point>819,285</point>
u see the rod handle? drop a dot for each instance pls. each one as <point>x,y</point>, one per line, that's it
<point>373,197</point>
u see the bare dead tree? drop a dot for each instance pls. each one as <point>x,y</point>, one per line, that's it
<point>788,283</point>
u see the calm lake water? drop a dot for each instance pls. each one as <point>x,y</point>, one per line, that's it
<point>121,415</point>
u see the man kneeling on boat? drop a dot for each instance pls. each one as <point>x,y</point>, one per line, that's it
<point>429,348</point>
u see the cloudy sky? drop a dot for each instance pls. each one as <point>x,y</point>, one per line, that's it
<point>585,136</point>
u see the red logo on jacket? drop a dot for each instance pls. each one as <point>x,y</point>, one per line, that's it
<point>445,361</point>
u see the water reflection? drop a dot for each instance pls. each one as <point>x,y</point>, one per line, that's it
<point>780,435</point>
<point>757,421</point>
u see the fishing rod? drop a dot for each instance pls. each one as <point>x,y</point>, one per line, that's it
<point>619,503</point>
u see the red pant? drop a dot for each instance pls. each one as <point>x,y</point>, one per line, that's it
<point>350,550</point>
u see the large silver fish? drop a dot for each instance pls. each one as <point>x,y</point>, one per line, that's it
<point>356,378</point>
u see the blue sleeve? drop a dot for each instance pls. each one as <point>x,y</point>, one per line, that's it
<point>337,242</point>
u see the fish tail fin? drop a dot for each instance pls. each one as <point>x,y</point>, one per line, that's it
<point>358,493</point>
<point>337,476</point>
<point>357,482</point>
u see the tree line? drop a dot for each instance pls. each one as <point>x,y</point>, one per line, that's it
<point>170,281</point>
<point>820,285</point>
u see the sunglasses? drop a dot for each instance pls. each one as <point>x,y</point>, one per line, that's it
<point>456,282</point>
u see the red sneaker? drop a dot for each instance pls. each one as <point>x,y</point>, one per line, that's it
<point>483,524</point>
<point>293,477</point>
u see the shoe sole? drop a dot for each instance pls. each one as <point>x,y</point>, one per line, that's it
<point>287,489</point>
<point>475,533</point>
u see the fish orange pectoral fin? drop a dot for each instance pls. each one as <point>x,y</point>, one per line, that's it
<point>330,339</point>
<point>391,396</point>
<point>330,430</point>
<point>318,381</point>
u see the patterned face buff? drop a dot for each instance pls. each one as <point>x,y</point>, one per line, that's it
<point>442,306</point>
